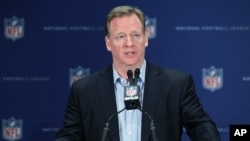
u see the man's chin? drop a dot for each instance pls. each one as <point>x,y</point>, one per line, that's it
<point>132,65</point>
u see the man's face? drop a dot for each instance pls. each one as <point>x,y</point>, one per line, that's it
<point>127,41</point>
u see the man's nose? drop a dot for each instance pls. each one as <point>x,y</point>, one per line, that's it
<point>129,41</point>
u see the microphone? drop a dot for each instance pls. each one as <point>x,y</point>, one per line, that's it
<point>132,92</point>
<point>132,96</point>
<point>130,76</point>
<point>137,73</point>
<point>131,100</point>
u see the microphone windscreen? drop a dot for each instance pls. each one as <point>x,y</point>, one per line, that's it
<point>137,72</point>
<point>130,74</point>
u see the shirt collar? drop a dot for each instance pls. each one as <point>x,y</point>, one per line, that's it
<point>142,72</point>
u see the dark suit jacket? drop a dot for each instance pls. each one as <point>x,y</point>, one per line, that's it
<point>169,97</point>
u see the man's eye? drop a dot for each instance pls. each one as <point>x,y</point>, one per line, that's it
<point>120,37</point>
<point>136,35</point>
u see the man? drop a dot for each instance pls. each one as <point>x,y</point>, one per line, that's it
<point>167,95</point>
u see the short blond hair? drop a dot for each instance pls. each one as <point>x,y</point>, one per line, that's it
<point>120,11</point>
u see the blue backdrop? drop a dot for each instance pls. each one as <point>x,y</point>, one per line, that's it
<point>45,45</point>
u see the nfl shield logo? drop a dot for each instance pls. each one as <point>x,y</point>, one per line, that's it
<point>131,91</point>
<point>14,28</point>
<point>12,129</point>
<point>212,78</point>
<point>150,27</point>
<point>77,73</point>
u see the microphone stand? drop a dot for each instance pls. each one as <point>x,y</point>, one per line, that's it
<point>106,128</point>
<point>152,125</point>
<point>131,104</point>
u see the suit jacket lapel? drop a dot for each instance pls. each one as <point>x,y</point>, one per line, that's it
<point>107,97</point>
<point>150,98</point>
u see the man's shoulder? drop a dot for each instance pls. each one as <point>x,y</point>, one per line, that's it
<point>96,75</point>
<point>168,71</point>
<point>173,75</point>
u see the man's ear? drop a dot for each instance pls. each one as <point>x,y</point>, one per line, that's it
<point>107,42</point>
<point>146,40</point>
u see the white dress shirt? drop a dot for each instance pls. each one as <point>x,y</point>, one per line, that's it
<point>129,120</point>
